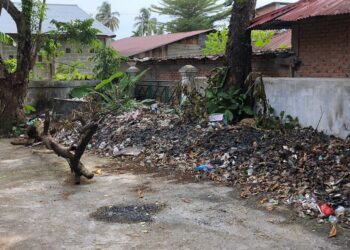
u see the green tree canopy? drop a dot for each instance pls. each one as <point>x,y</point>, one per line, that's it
<point>189,15</point>
<point>217,41</point>
<point>107,17</point>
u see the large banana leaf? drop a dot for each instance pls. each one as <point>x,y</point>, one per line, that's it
<point>7,40</point>
<point>109,80</point>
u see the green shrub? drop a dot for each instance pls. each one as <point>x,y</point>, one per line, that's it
<point>106,62</point>
<point>10,65</point>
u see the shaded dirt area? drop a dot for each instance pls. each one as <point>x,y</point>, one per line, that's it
<point>41,209</point>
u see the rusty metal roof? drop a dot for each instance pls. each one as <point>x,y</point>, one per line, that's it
<point>135,45</point>
<point>280,41</point>
<point>301,10</point>
<point>274,47</point>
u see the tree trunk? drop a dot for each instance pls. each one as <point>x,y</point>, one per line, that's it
<point>11,104</point>
<point>13,88</point>
<point>239,49</point>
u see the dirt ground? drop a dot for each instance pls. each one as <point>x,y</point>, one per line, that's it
<point>41,209</point>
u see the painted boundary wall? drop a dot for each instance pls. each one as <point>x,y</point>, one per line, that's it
<point>41,93</point>
<point>323,101</point>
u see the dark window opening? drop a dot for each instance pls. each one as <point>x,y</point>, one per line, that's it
<point>68,50</point>
<point>40,58</point>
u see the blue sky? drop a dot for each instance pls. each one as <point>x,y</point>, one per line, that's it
<point>128,9</point>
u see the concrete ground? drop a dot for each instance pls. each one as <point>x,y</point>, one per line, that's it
<point>41,209</point>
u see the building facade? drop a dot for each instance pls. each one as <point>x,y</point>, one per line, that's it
<point>70,53</point>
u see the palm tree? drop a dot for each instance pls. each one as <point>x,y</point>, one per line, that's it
<point>107,17</point>
<point>145,25</point>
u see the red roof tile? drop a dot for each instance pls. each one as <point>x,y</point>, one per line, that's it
<point>135,45</point>
<point>301,10</point>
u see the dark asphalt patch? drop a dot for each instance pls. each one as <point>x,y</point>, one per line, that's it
<point>127,214</point>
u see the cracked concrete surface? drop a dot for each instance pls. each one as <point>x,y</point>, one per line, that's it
<point>41,209</point>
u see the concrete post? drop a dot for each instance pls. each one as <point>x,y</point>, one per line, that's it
<point>188,73</point>
<point>132,71</point>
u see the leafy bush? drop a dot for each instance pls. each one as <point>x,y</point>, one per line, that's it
<point>10,65</point>
<point>7,40</point>
<point>114,92</point>
<point>29,109</point>
<point>274,121</point>
<point>232,102</point>
<point>216,43</point>
<point>71,72</point>
<point>106,62</point>
<point>261,38</point>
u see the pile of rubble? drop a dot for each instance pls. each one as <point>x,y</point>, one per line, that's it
<point>301,167</point>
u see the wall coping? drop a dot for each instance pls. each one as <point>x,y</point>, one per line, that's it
<point>307,80</point>
<point>61,84</point>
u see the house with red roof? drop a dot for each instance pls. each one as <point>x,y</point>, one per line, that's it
<point>318,89</point>
<point>163,46</point>
<point>320,32</point>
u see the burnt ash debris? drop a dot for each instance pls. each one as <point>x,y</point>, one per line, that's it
<point>299,167</point>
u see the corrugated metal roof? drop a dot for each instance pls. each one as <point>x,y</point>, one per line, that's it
<point>135,45</point>
<point>58,12</point>
<point>185,57</point>
<point>301,10</point>
<point>282,38</point>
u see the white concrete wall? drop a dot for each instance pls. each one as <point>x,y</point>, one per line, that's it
<point>308,98</point>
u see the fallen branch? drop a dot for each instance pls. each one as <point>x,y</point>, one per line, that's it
<point>73,159</point>
<point>44,151</point>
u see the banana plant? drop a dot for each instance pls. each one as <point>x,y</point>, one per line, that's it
<point>114,92</point>
<point>7,40</point>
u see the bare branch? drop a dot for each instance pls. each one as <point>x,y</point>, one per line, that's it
<point>11,9</point>
<point>73,158</point>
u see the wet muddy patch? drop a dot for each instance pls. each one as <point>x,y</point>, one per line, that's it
<point>127,214</point>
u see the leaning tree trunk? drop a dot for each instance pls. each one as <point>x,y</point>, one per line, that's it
<point>13,88</point>
<point>239,49</point>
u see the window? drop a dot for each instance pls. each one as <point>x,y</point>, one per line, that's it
<point>92,50</point>
<point>40,58</point>
<point>68,50</point>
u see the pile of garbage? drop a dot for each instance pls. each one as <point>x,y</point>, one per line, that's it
<point>300,167</point>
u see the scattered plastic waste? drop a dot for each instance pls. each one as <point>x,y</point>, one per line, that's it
<point>250,170</point>
<point>326,210</point>
<point>136,114</point>
<point>333,232</point>
<point>340,211</point>
<point>115,151</point>
<point>154,108</point>
<point>205,168</point>
<point>102,145</point>
<point>216,117</point>
<point>285,165</point>
<point>332,219</point>
<point>130,151</point>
